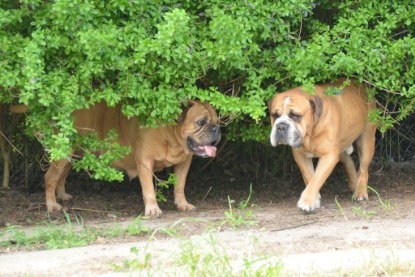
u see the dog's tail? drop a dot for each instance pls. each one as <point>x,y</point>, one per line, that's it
<point>19,108</point>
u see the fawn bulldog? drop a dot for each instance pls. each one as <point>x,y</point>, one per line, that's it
<point>197,133</point>
<point>325,127</point>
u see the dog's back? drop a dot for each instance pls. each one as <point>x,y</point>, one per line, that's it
<point>98,118</point>
<point>351,106</point>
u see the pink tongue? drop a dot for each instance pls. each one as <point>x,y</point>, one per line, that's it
<point>210,150</point>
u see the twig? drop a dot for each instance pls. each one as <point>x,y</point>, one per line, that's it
<point>207,193</point>
<point>384,89</point>
<point>295,226</point>
<point>280,80</point>
<point>14,147</point>
<point>95,211</point>
<point>35,206</point>
<point>301,29</point>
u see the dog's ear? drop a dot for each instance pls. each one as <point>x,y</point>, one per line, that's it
<point>185,108</point>
<point>269,103</point>
<point>317,106</point>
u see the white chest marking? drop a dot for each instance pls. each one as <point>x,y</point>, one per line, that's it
<point>349,150</point>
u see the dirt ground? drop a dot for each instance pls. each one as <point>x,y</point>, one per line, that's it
<point>340,237</point>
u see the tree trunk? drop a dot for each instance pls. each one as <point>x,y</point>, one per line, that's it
<point>4,148</point>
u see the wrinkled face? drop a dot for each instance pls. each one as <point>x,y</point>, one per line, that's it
<point>293,113</point>
<point>200,129</point>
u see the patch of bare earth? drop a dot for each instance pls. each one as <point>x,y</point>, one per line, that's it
<point>341,237</point>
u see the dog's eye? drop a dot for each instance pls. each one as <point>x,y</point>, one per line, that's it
<point>295,117</point>
<point>275,115</point>
<point>202,122</point>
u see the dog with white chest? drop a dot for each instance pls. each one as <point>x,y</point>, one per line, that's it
<point>325,127</point>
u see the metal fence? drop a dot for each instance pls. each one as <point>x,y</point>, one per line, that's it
<point>398,144</point>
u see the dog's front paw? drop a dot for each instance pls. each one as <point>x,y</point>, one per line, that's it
<point>64,196</point>
<point>53,207</point>
<point>184,206</point>
<point>308,203</point>
<point>153,211</point>
<point>360,195</point>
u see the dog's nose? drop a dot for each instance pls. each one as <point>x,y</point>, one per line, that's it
<point>282,127</point>
<point>215,129</point>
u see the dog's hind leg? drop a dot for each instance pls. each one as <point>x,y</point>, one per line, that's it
<point>55,184</point>
<point>60,188</point>
<point>366,149</point>
<point>350,168</point>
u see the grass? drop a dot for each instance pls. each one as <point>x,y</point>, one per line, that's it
<point>201,256</point>
<point>244,203</point>
<point>387,264</point>
<point>137,264</point>
<point>75,234</point>
<point>136,228</point>
<point>362,212</point>
<point>340,208</point>
<point>386,204</point>
<point>50,236</point>
<point>241,216</point>
<point>173,230</point>
<point>209,255</point>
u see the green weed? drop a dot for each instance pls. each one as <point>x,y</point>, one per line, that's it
<point>340,208</point>
<point>204,256</point>
<point>173,230</point>
<point>201,260</point>
<point>243,204</point>
<point>51,236</point>
<point>361,212</point>
<point>261,267</point>
<point>239,218</point>
<point>163,185</point>
<point>386,204</point>
<point>137,228</point>
<point>389,265</point>
<point>139,263</point>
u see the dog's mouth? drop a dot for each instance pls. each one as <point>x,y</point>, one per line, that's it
<point>296,141</point>
<point>201,150</point>
<point>285,134</point>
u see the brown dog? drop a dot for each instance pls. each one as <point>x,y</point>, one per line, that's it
<point>325,127</point>
<point>153,149</point>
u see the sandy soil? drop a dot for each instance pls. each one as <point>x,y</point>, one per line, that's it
<point>341,237</point>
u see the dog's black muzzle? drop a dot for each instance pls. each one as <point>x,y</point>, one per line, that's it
<point>282,133</point>
<point>216,134</point>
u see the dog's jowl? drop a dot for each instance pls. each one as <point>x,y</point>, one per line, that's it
<point>325,127</point>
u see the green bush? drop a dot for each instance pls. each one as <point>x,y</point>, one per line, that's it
<point>58,56</point>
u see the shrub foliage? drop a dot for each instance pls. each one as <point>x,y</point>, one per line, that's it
<point>150,56</point>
